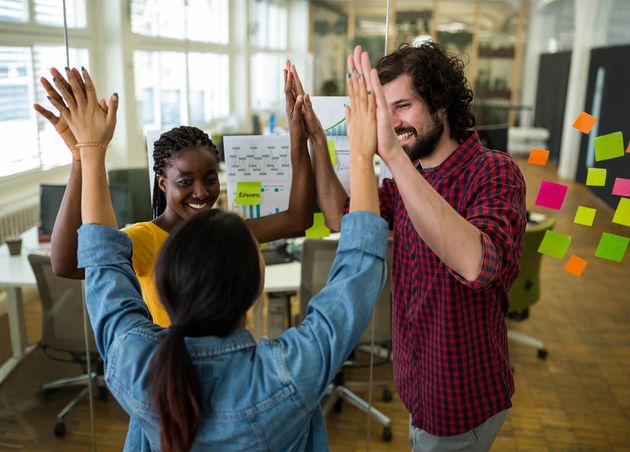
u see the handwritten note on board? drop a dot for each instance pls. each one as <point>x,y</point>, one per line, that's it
<point>585,216</point>
<point>612,247</point>
<point>575,265</point>
<point>596,177</point>
<point>248,193</point>
<point>551,195</point>
<point>538,157</point>
<point>554,244</point>
<point>608,146</point>
<point>621,187</point>
<point>584,122</point>
<point>622,213</point>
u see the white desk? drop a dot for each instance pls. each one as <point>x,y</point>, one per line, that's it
<point>16,273</point>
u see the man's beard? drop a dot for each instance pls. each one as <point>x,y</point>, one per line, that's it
<point>425,142</point>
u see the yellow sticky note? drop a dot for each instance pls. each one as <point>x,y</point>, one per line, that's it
<point>332,152</point>
<point>248,193</point>
<point>596,177</point>
<point>622,214</point>
<point>319,229</point>
<point>585,216</point>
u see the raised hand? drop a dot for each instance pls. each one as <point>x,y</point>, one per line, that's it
<point>60,124</point>
<point>388,144</point>
<point>361,114</point>
<point>294,96</point>
<point>82,111</point>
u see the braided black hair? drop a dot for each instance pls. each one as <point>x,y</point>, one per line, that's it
<point>169,145</point>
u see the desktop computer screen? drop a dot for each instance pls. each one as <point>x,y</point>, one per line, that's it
<point>494,137</point>
<point>50,197</point>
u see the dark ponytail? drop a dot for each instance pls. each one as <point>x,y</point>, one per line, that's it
<point>176,393</point>
<point>207,276</point>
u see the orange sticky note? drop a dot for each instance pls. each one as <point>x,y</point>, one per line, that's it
<point>538,157</point>
<point>575,265</point>
<point>584,122</point>
<point>628,148</point>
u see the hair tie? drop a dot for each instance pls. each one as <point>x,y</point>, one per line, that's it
<point>180,330</point>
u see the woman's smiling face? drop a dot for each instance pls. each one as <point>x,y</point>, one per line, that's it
<point>190,183</point>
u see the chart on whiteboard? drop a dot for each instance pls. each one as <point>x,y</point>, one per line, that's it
<point>259,169</point>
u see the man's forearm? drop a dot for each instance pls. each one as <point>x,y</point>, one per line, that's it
<point>331,196</point>
<point>455,241</point>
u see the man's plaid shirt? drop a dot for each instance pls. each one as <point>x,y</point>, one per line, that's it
<point>451,362</point>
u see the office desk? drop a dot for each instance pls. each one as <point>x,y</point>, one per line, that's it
<point>16,273</point>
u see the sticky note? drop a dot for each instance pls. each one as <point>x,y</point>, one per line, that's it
<point>554,244</point>
<point>608,146</point>
<point>585,216</point>
<point>332,152</point>
<point>596,177</point>
<point>551,195</point>
<point>248,193</point>
<point>621,187</point>
<point>584,122</point>
<point>575,265</point>
<point>628,148</point>
<point>612,247</point>
<point>538,157</point>
<point>622,214</point>
<point>319,229</point>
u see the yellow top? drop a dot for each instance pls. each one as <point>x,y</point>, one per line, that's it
<point>147,239</point>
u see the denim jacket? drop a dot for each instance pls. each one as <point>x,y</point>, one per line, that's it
<point>261,396</point>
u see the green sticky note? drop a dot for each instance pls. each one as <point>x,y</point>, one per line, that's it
<point>596,177</point>
<point>585,216</point>
<point>332,152</point>
<point>248,193</point>
<point>609,146</point>
<point>319,229</point>
<point>622,214</point>
<point>554,244</point>
<point>612,247</point>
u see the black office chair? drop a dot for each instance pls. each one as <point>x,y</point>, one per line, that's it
<point>62,334</point>
<point>317,258</point>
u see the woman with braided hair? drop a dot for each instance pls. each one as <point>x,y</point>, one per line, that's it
<point>204,383</point>
<point>186,182</point>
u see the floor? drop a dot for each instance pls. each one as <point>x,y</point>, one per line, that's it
<point>577,399</point>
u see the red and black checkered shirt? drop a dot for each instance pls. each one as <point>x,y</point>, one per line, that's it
<point>451,362</point>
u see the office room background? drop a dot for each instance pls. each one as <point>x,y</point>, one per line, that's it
<point>534,66</point>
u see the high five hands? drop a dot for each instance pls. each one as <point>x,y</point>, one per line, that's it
<point>89,120</point>
<point>364,84</point>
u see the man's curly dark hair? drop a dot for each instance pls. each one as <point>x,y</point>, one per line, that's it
<point>438,78</point>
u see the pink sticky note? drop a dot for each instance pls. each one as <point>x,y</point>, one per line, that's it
<point>621,187</point>
<point>551,195</point>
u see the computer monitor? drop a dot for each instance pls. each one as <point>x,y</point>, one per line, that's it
<point>136,181</point>
<point>494,137</point>
<point>50,197</point>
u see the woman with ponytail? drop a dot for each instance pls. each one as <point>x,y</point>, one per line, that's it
<point>204,383</point>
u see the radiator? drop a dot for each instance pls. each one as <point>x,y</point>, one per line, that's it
<point>17,217</point>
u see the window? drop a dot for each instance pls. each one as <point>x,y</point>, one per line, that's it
<point>46,12</point>
<point>169,99</point>
<point>269,20</point>
<point>196,20</point>
<point>267,81</point>
<point>32,141</point>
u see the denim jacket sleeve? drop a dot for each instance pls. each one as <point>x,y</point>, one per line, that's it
<point>337,316</point>
<point>113,295</point>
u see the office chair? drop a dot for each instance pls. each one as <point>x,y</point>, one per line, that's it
<point>317,258</point>
<point>62,334</point>
<point>525,291</point>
